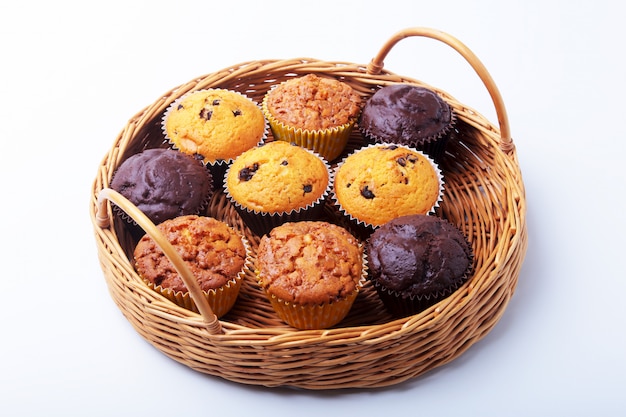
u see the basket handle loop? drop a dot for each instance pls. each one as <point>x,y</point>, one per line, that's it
<point>376,65</point>
<point>102,217</point>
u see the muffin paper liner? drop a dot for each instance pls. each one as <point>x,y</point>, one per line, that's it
<point>261,223</point>
<point>315,316</point>
<point>217,168</point>
<point>329,143</point>
<point>400,306</point>
<point>363,228</point>
<point>221,299</point>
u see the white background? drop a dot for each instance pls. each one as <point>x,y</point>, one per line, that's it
<point>73,73</point>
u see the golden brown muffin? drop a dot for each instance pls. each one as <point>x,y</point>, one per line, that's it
<point>380,182</point>
<point>315,112</point>
<point>215,254</point>
<point>215,124</point>
<point>311,272</point>
<point>313,103</point>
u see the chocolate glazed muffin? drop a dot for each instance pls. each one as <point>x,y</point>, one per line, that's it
<point>417,261</point>
<point>164,183</point>
<point>410,115</point>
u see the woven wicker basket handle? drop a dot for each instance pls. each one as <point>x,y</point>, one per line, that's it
<point>102,217</point>
<point>377,63</point>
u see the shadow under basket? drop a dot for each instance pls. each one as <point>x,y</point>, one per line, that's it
<point>484,197</point>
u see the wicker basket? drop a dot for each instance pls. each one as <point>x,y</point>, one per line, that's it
<point>484,197</point>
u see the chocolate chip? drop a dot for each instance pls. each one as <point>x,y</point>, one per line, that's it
<point>245,174</point>
<point>348,185</point>
<point>180,107</point>
<point>412,159</point>
<point>284,162</point>
<point>401,161</point>
<point>391,147</point>
<point>216,102</point>
<point>367,193</point>
<point>307,188</point>
<point>237,113</point>
<point>206,114</point>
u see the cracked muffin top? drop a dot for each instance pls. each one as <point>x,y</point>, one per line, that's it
<point>309,262</point>
<point>311,102</point>
<point>214,252</point>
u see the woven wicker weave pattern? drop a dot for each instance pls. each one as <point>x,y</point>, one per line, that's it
<point>484,197</point>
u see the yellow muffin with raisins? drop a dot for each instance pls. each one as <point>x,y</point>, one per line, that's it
<point>215,125</point>
<point>278,182</point>
<point>380,182</point>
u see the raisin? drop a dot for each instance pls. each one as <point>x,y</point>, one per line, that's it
<point>180,107</point>
<point>391,147</point>
<point>307,188</point>
<point>246,174</point>
<point>412,159</point>
<point>284,162</point>
<point>216,102</point>
<point>206,114</point>
<point>237,113</point>
<point>367,193</point>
